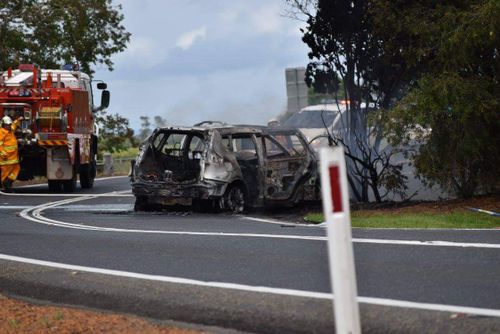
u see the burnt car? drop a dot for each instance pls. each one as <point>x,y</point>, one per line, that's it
<point>224,167</point>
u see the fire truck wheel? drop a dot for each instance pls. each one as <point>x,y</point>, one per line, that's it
<point>55,186</point>
<point>87,176</point>
<point>69,186</point>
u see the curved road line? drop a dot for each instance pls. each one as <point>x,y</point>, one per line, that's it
<point>36,216</point>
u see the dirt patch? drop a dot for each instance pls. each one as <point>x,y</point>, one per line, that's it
<point>21,317</point>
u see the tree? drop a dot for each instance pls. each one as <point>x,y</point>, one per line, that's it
<point>160,121</point>
<point>13,30</point>
<point>344,48</point>
<point>452,110</point>
<point>115,135</point>
<point>325,88</point>
<point>54,32</point>
<point>145,130</point>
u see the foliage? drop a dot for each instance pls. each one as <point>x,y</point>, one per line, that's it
<point>160,121</point>
<point>54,32</point>
<point>316,96</point>
<point>439,59</point>
<point>345,49</point>
<point>127,153</point>
<point>145,130</point>
<point>452,110</point>
<point>373,168</point>
<point>115,135</point>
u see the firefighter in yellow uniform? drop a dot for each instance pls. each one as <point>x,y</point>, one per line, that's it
<point>9,153</point>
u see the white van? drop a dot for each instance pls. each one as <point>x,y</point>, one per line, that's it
<point>314,120</point>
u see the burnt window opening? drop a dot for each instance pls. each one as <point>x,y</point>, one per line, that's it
<point>179,155</point>
<point>274,149</point>
<point>226,142</point>
<point>289,143</point>
<point>244,148</point>
<point>196,148</point>
<point>294,146</point>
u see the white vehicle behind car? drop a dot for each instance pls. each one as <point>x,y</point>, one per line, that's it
<point>316,122</point>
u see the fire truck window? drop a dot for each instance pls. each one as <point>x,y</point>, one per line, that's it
<point>13,112</point>
<point>88,89</point>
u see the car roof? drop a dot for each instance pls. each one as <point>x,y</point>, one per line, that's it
<point>225,129</point>
<point>234,129</point>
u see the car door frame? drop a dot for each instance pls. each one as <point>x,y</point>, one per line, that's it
<point>283,174</point>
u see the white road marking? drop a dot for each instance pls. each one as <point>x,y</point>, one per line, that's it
<point>36,216</point>
<point>14,207</point>
<point>75,195</point>
<point>98,208</point>
<point>261,289</point>
<point>277,222</point>
<point>96,179</point>
<point>129,194</point>
<point>79,208</point>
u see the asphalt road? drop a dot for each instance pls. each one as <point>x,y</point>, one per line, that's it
<point>232,271</point>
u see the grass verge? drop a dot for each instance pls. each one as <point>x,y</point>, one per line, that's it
<point>456,219</point>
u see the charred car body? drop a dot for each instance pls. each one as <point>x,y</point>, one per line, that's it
<point>224,167</point>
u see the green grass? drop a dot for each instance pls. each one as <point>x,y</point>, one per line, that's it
<point>457,219</point>
<point>121,161</point>
<point>130,152</point>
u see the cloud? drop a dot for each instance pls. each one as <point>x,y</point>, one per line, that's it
<point>236,75</point>
<point>267,19</point>
<point>143,52</point>
<point>250,96</point>
<point>229,15</point>
<point>186,40</point>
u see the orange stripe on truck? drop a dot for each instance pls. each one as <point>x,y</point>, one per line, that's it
<point>52,142</point>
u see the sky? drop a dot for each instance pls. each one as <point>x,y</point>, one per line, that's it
<point>195,60</point>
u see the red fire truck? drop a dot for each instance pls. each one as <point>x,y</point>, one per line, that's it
<point>57,137</point>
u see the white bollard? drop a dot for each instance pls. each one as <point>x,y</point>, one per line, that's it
<point>108,164</point>
<point>340,251</point>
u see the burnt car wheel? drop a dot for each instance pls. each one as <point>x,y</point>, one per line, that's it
<point>235,199</point>
<point>141,204</point>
